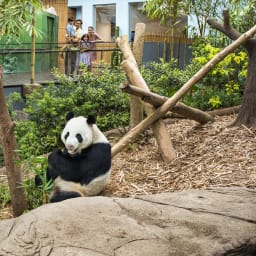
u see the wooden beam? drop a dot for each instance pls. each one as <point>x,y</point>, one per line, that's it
<point>157,101</point>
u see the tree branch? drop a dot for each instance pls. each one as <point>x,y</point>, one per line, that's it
<point>157,100</point>
<point>225,28</point>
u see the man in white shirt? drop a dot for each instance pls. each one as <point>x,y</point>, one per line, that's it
<point>76,40</point>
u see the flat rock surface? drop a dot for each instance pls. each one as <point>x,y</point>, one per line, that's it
<point>216,221</point>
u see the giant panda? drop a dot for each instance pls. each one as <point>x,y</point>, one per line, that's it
<point>82,168</point>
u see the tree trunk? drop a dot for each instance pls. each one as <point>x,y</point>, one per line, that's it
<point>247,113</point>
<point>11,159</point>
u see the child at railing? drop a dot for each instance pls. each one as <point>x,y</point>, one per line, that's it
<point>85,57</point>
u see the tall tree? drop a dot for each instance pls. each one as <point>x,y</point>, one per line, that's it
<point>14,16</point>
<point>247,113</point>
<point>198,10</point>
<point>7,139</point>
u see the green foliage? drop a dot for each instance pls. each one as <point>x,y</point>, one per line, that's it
<point>164,9</point>
<point>242,14</point>
<point>4,195</point>
<point>215,101</point>
<point>47,108</point>
<point>8,61</point>
<point>163,77</point>
<point>17,14</point>
<point>36,196</point>
<point>221,87</point>
<point>210,97</point>
<point>229,74</point>
<point>116,58</point>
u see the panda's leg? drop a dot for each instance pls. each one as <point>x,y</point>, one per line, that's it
<point>59,195</point>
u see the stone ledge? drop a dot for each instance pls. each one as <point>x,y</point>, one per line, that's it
<point>216,221</point>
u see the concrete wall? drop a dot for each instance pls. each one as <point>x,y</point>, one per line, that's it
<point>86,12</point>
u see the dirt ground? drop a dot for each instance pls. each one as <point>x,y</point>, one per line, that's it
<point>207,155</point>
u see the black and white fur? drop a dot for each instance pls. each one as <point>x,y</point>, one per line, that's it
<point>82,168</point>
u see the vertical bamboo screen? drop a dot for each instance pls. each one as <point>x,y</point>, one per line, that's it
<point>176,43</point>
<point>165,46</point>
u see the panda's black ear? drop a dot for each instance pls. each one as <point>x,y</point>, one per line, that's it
<point>69,115</point>
<point>91,119</point>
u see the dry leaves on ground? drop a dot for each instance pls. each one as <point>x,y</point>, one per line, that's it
<point>207,155</point>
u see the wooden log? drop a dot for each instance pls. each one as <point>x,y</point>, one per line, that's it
<point>179,108</point>
<point>225,111</point>
<point>160,131</point>
<point>138,43</point>
<point>171,102</point>
<point>136,108</point>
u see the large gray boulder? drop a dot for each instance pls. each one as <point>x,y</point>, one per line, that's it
<point>217,221</point>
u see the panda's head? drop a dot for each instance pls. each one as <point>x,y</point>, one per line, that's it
<point>78,133</point>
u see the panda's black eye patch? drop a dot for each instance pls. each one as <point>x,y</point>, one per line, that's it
<point>79,137</point>
<point>66,135</point>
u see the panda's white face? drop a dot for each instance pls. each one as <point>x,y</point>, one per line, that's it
<point>77,135</point>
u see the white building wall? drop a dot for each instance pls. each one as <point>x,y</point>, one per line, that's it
<point>87,12</point>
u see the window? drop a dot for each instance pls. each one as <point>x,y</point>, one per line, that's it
<point>106,21</point>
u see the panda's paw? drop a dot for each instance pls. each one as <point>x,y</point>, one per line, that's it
<point>58,195</point>
<point>38,180</point>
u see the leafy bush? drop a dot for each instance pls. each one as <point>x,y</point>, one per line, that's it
<point>5,197</point>
<point>221,87</point>
<point>163,78</point>
<point>47,108</point>
<point>36,196</point>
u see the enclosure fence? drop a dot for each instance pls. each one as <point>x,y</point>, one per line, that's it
<point>15,58</point>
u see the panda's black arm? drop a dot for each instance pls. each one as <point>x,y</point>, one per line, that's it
<point>52,170</point>
<point>51,173</point>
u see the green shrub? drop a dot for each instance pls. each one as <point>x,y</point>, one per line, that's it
<point>5,197</point>
<point>162,77</point>
<point>90,94</point>
<point>36,196</point>
<point>221,87</point>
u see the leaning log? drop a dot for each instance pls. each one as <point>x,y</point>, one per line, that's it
<point>171,102</point>
<point>159,128</point>
<point>157,101</point>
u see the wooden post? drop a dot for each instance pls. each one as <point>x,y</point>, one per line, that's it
<point>136,108</point>
<point>159,129</point>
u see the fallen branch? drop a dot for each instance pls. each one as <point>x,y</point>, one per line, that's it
<point>225,111</point>
<point>157,100</point>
